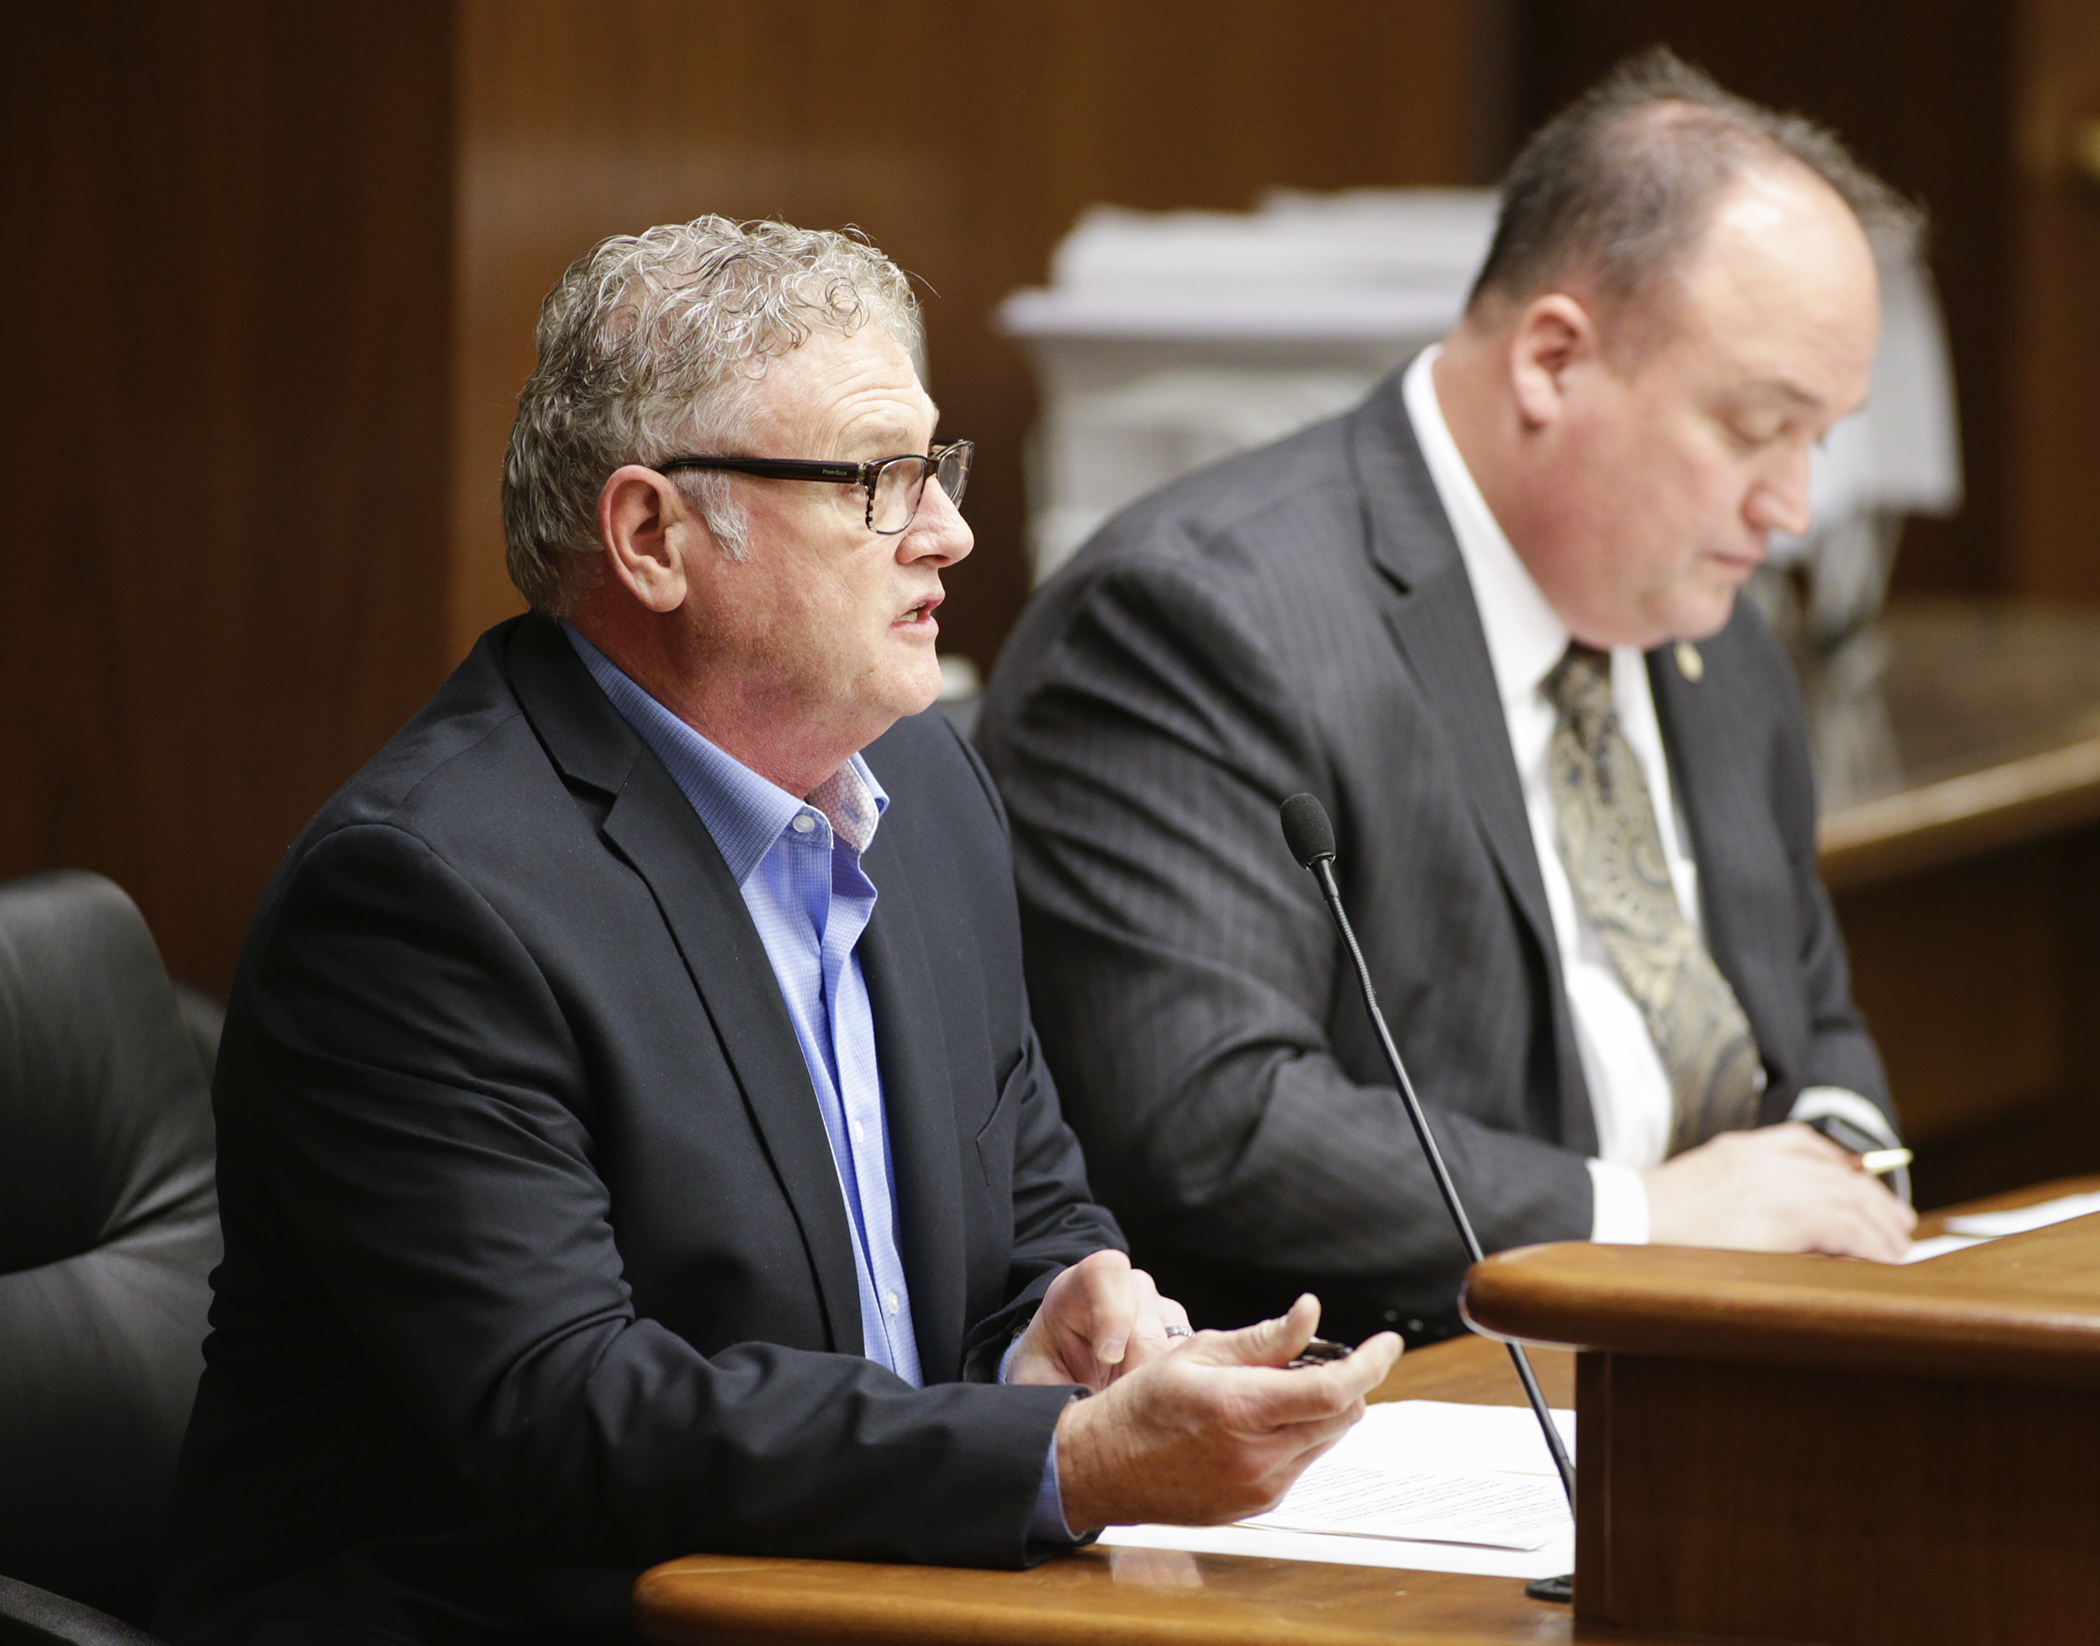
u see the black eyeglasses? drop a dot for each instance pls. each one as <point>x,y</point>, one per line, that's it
<point>894,484</point>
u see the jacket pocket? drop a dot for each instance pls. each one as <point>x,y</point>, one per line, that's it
<point>995,1143</point>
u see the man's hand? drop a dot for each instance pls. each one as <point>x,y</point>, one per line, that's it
<point>1100,1319</point>
<point>1778,1189</point>
<point>1216,1430</point>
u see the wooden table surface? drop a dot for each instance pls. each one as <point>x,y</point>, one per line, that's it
<point>1122,1597</point>
<point>1111,1596</point>
<point>1953,727</point>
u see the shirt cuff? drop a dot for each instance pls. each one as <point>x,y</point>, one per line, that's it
<point>1860,1114</point>
<point>1047,1525</point>
<point>1817,1101</point>
<point>1619,1205</point>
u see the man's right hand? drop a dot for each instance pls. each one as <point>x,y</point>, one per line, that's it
<point>1214,1430</point>
<point>1781,1188</point>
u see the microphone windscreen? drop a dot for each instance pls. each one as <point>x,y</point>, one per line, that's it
<point>1306,830</point>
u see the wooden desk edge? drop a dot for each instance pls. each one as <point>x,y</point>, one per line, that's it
<point>1959,817</point>
<point>1968,1315</point>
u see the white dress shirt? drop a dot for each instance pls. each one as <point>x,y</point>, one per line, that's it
<point>1629,1088</point>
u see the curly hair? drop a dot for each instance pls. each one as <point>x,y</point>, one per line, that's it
<point>649,345</point>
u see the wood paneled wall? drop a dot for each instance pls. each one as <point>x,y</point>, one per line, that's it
<point>223,464</point>
<point>2052,538</point>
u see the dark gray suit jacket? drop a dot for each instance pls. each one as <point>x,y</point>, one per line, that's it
<point>1299,618</point>
<point>537,1269</point>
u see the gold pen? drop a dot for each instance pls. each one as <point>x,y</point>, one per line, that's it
<point>1878,1161</point>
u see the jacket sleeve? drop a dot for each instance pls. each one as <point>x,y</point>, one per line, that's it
<point>1184,971</point>
<point>405,1087</point>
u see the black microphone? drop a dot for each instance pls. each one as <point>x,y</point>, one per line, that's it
<point>1310,835</point>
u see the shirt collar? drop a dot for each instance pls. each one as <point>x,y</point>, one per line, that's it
<point>1525,635</point>
<point>743,812</point>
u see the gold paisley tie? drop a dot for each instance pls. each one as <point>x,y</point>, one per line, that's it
<point>1614,855</point>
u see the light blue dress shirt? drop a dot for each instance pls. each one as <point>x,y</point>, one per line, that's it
<point>797,863</point>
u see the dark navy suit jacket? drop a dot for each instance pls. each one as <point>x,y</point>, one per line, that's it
<point>537,1265</point>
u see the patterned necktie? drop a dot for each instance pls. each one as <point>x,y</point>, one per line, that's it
<point>1614,856</point>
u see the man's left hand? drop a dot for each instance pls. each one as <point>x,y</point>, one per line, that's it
<point>1100,1319</point>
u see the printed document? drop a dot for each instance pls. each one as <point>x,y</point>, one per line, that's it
<point>1418,1483</point>
<point>1977,1227</point>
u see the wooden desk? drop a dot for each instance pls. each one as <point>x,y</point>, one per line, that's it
<point>1133,1595</point>
<point>1954,728</point>
<point>1127,1596</point>
<point>1826,1450</point>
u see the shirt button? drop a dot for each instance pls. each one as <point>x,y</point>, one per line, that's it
<point>803,823</point>
<point>890,1302</point>
<point>854,1127</point>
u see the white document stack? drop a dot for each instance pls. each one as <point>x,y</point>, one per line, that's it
<point>1421,1484</point>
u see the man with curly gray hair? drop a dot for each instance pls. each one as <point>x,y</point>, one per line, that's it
<point>650,346</point>
<point>633,1138</point>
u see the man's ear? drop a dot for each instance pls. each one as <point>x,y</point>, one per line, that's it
<point>649,534</point>
<point>1553,334</point>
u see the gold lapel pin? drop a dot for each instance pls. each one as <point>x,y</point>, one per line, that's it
<point>1689,663</point>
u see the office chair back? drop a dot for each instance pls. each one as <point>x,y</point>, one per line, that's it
<point>108,1230</point>
<point>30,1616</point>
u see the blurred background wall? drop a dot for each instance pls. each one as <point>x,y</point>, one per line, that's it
<point>271,272</point>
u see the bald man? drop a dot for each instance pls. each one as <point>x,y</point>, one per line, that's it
<point>1490,618</point>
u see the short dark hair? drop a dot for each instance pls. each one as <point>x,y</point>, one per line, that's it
<point>1620,185</point>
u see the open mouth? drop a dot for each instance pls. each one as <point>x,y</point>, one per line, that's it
<point>1740,564</point>
<point>921,615</point>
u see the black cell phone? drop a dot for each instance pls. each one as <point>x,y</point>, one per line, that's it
<point>1318,1352</point>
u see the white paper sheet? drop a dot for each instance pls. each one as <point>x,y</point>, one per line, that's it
<point>1939,1246</point>
<point>1990,1225</point>
<point>1499,1511</point>
<point>1257,1543</point>
<point>1421,1484</point>
<point>1977,1227</point>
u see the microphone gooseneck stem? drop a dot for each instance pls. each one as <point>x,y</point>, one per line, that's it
<point>1323,871</point>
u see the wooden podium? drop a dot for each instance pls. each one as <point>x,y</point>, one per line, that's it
<point>1813,1449</point>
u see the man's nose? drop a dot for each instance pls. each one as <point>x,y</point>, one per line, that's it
<point>938,532</point>
<point>1778,500</point>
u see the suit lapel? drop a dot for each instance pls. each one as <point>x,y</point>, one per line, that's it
<point>1438,630</point>
<point>917,1104</point>
<point>654,826</point>
<point>1436,624</point>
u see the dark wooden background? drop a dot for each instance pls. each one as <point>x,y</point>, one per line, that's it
<point>270,273</point>
<point>224,459</point>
